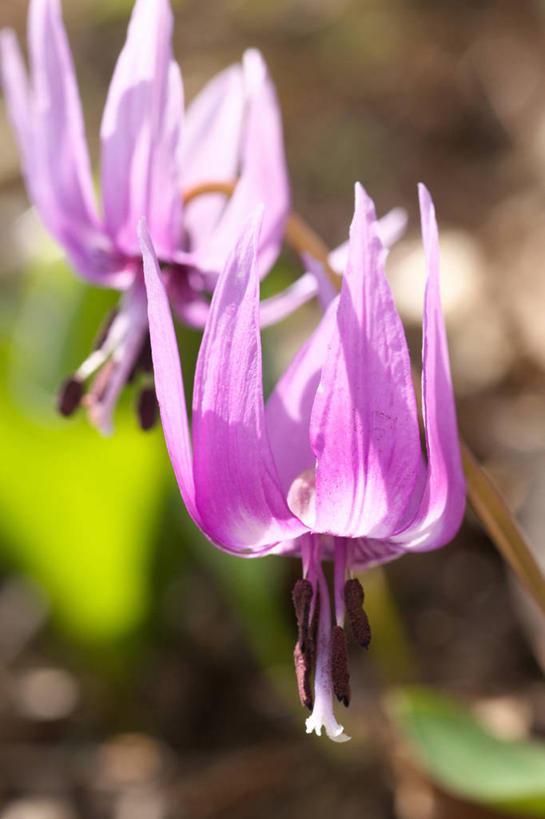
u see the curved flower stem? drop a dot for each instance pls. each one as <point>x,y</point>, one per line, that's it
<point>483,495</point>
<point>501,527</point>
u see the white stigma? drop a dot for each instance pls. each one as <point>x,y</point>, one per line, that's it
<point>322,714</point>
<point>325,718</point>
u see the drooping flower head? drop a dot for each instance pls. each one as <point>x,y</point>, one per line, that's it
<point>150,154</point>
<point>332,467</point>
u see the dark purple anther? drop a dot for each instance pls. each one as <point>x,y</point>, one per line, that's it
<point>339,666</point>
<point>147,408</point>
<point>303,654</point>
<point>302,598</point>
<point>144,361</point>
<point>303,670</point>
<point>70,395</point>
<point>353,600</point>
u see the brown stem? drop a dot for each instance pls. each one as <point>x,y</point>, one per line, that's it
<point>299,235</point>
<point>501,527</point>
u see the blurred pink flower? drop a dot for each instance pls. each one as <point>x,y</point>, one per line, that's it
<point>332,467</point>
<point>149,154</point>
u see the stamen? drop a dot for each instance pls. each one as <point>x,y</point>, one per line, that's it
<point>353,598</point>
<point>339,666</point>
<point>303,670</point>
<point>339,578</point>
<point>302,599</point>
<point>147,408</point>
<point>144,361</point>
<point>99,384</point>
<point>70,395</point>
<point>304,651</point>
<point>105,329</point>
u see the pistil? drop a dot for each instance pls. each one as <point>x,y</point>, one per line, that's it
<point>322,713</point>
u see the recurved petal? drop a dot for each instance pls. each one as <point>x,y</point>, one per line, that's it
<point>442,506</point>
<point>17,96</point>
<point>263,179</point>
<point>325,289</point>
<point>140,133</point>
<point>188,303</point>
<point>210,148</point>
<point>237,488</point>
<point>364,429</point>
<point>167,371</point>
<point>390,229</point>
<point>48,123</point>
<point>61,149</point>
<point>289,406</point>
<point>278,307</point>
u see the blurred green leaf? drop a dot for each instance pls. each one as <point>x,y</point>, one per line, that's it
<point>78,513</point>
<point>465,759</point>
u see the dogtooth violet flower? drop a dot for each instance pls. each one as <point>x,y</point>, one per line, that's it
<point>150,153</point>
<point>331,469</point>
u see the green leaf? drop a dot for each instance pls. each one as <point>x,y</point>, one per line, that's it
<point>465,759</point>
<point>78,513</point>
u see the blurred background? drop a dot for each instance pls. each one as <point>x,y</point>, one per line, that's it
<point>144,674</point>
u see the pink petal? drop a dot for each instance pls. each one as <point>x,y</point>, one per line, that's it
<point>364,429</point>
<point>140,133</point>
<point>278,307</point>
<point>62,146</point>
<point>169,385</point>
<point>189,305</point>
<point>48,123</point>
<point>263,179</point>
<point>237,488</point>
<point>325,289</point>
<point>17,95</point>
<point>392,226</point>
<point>442,506</point>
<point>290,404</point>
<point>390,229</point>
<point>210,148</point>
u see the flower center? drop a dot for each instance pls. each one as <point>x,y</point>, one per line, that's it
<point>321,648</point>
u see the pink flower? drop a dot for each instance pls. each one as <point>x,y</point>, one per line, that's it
<point>150,153</point>
<point>332,468</point>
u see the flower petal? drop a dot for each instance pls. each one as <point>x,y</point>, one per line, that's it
<point>17,95</point>
<point>290,404</point>
<point>390,229</point>
<point>278,307</point>
<point>442,506</point>
<point>140,133</point>
<point>169,385</point>
<point>364,429</point>
<point>325,289</point>
<point>264,178</point>
<point>210,148</point>
<point>188,303</point>
<point>48,123</point>
<point>237,488</point>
